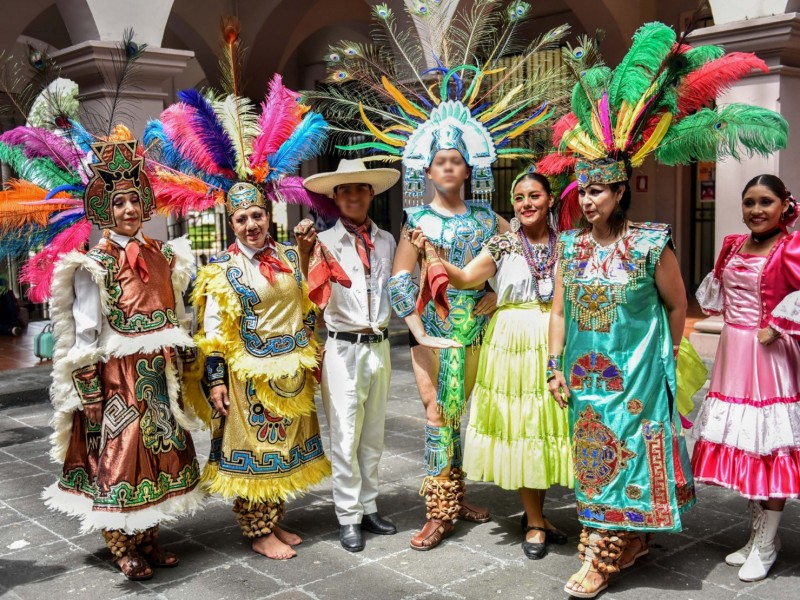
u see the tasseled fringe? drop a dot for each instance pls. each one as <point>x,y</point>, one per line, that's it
<point>263,489</point>
<point>81,507</point>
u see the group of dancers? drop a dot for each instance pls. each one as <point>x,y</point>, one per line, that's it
<point>571,355</point>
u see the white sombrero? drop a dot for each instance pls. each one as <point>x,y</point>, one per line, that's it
<point>352,171</point>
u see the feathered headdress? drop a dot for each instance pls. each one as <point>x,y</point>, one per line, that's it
<point>442,84</point>
<point>62,176</point>
<point>660,100</point>
<point>208,142</point>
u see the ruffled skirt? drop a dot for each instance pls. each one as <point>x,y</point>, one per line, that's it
<point>517,435</point>
<point>748,429</point>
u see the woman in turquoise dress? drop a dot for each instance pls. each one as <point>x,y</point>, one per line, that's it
<point>615,330</point>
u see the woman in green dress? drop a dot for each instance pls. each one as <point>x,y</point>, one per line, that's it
<point>615,328</point>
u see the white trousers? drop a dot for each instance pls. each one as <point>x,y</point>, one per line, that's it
<point>355,389</point>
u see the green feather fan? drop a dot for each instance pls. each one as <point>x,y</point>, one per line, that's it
<point>652,43</point>
<point>40,171</point>
<point>709,135</point>
<point>593,81</point>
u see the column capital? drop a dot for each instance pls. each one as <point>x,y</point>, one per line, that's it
<point>86,62</point>
<point>775,38</point>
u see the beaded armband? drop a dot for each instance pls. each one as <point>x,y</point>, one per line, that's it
<point>403,293</point>
<point>555,362</point>
<point>88,385</point>
<point>216,371</point>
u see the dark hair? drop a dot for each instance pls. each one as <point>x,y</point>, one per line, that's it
<point>545,183</point>
<point>773,183</point>
<point>336,187</point>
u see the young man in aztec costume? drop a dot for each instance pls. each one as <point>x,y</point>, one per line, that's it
<point>619,306</point>
<point>253,383</point>
<point>357,364</point>
<point>447,126</point>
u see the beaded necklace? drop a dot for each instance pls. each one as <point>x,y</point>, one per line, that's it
<point>541,266</point>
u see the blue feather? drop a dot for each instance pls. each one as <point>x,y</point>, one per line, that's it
<point>209,128</point>
<point>305,143</point>
<point>80,136</point>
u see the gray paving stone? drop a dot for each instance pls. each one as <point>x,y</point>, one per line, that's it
<point>228,581</point>
<point>364,585</point>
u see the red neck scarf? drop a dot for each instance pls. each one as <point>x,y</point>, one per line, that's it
<point>362,234</point>
<point>135,260</point>
<point>268,263</point>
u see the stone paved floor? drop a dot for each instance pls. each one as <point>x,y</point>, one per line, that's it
<point>42,555</point>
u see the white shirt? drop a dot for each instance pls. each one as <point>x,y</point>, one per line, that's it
<point>366,304</point>
<point>211,318</point>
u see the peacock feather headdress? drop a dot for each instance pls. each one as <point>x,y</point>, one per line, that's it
<point>445,82</point>
<point>208,142</point>
<point>660,100</point>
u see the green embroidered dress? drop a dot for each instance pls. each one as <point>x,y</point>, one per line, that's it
<point>631,467</point>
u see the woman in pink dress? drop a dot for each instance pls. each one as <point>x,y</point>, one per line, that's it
<point>748,429</point>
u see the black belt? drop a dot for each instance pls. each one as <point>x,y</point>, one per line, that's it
<point>360,338</point>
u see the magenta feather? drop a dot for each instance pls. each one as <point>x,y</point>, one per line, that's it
<point>179,121</point>
<point>280,115</point>
<point>38,271</point>
<point>290,189</point>
<point>605,122</point>
<point>41,143</point>
<point>177,199</point>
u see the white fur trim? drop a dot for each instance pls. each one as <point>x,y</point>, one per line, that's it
<point>184,266</point>
<point>80,506</point>
<point>186,419</point>
<point>709,295</point>
<point>62,433</point>
<point>118,345</point>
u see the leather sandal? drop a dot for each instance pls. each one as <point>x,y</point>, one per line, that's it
<point>474,514</point>
<point>534,550</point>
<point>580,579</point>
<point>431,535</point>
<point>633,551</point>
<point>158,556</point>
<point>134,566</point>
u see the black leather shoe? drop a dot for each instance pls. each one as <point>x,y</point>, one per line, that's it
<point>534,550</point>
<point>554,536</point>
<point>374,523</point>
<point>351,538</point>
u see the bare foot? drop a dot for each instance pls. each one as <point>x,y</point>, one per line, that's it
<point>271,547</point>
<point>287,537</point>
<point>586,581</point>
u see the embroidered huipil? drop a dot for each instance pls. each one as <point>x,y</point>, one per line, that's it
<point>117,337</point>
<point>269,445</point>
<point>631,467</point>
<point>458,239</point>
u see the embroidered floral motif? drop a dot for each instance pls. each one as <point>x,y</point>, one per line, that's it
<point>596,370</point>
<point>598,454</point>
<point>634,492</point>
<point>635,406</point>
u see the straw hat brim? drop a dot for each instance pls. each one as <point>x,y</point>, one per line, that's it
<point>380,180</point>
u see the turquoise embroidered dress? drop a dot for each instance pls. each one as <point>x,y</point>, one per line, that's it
<point>631,467</point>
<point>458,239</point>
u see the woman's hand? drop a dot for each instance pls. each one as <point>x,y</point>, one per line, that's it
<point>306,236</point>
<point>486,305</point>
<point>418,239</point>
<point>558,387</point>
<point>219,399</point>
<point>767,335</point>
<point>93,412</point>
<point>429,341</point>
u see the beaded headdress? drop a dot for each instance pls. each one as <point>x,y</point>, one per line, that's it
<point>660,100</point>
<point>242,196</point>
<point>454,80</point>
<point>118,170</point>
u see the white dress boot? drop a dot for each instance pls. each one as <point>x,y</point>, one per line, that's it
<point>763,553</point>
<point>737,559</point>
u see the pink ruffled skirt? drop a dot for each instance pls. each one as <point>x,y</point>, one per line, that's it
<point>748,428</point>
